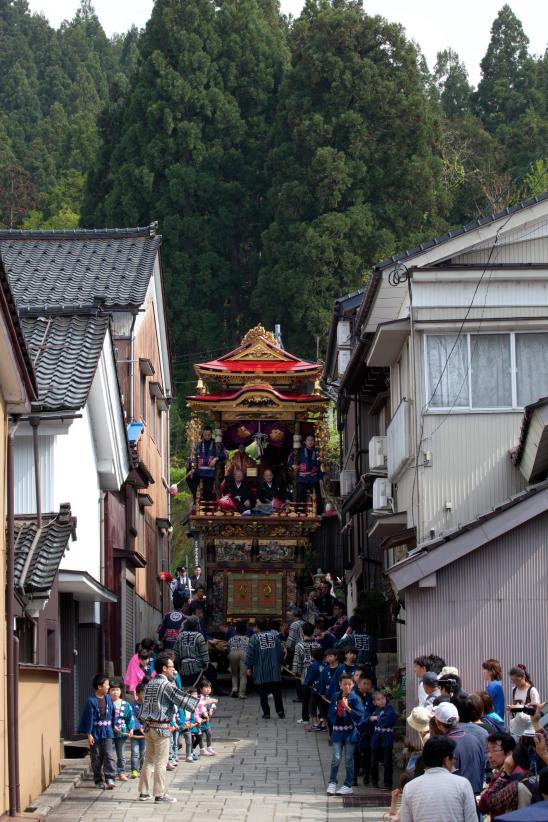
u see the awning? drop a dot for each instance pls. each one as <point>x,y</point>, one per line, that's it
<point>388,342</point>
<point>532,452</point>
<point>83,587</point>
<point>387,526</point>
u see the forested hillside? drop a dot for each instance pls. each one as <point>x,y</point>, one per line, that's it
<point>280,157</point>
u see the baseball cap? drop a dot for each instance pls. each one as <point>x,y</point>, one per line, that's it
<point>430,678</point>
<point>446,713</point>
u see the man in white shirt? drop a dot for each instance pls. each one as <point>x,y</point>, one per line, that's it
<point>438,794</point>
<point>421,665</point>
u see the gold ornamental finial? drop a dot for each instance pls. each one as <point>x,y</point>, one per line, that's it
<point>257,333</point>
<point>200,387</point>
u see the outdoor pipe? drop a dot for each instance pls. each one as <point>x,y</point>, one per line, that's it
<point>11,650</point>
<point>35,422</point>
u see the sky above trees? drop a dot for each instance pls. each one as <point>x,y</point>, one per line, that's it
<point>467,32</point>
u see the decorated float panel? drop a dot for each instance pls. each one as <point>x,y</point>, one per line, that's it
<point>262,402</point>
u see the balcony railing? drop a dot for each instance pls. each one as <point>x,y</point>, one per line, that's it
<point>399,440</point>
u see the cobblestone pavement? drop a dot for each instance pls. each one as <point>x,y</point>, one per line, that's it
<point>264,771</point>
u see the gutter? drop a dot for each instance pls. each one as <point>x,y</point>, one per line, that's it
<point>12,683</point>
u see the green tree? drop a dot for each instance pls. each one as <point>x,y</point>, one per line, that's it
<point>188,148</point>
<point>353,165</point>
<point>451,80</point>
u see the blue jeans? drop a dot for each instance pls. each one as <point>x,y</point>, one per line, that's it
<point>338,748</point>
<point>137,753</point>
<point>119,745</point>
<point>174,749</point>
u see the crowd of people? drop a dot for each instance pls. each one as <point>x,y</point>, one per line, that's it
<point>478,755</point>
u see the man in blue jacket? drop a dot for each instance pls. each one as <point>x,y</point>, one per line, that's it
<point>264,662</point>
<point>345,714</point>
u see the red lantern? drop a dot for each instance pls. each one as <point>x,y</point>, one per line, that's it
<point>165,576</point>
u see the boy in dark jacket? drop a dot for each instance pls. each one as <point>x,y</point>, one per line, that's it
<point>383,720</point>
<point>97,722</point>
<point>345,714</point>
<point>311,688</point>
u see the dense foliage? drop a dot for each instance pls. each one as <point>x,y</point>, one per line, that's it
<point>280,157</point>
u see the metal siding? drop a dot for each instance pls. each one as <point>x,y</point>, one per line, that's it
<point>532,250</point>
<point>521,291</point>
<point>471,467</point>
<point>25,497</point>
<point>492,603</point>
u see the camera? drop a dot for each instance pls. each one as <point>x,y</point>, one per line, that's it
<point>528,710</point>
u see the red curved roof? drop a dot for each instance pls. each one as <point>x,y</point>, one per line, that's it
<point>233,395</point>
<point>263,366</point>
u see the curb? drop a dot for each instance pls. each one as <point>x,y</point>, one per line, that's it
<point>73,771</point>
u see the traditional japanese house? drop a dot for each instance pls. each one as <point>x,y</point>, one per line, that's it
<point>266,398</point>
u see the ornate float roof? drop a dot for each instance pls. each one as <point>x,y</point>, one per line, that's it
<point>258,355</point>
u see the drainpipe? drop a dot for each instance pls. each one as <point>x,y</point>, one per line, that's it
<point>11,640</point>
<point>35,422</point>
<point>132,370</point>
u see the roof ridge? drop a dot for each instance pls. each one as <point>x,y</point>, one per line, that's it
<point>478,222</point>
<point>80,233</point>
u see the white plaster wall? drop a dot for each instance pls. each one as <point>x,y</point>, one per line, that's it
<point>77,482</point>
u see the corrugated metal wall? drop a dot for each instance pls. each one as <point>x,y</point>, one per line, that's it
<point>492,603</point>
<point>531,250</point>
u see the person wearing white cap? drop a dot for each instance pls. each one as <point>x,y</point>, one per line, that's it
<point>438,795</point>
<point>469,758</point>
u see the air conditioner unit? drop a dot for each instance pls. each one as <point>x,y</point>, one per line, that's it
<point>377,453</point>
<point>348,482</point>
<point>382,495</point>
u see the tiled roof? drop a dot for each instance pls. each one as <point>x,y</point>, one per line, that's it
<point>36,561</point>
<point>113,266</point>
<point>65,351</point>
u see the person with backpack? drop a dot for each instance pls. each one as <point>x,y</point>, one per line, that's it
<point>180,588</point>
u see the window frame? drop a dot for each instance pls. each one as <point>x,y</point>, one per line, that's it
<point>470,409</point>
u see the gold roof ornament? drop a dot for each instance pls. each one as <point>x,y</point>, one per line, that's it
<point>200,387</point>
<point>259,332</point>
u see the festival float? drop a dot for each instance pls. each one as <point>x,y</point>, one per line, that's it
<point>263,398</point>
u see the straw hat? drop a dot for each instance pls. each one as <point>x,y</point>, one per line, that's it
<point>447,672</point>
<point>419,719</point>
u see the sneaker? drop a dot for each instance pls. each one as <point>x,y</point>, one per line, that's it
<point>234,695</point>
<point>100,785</point>
<point>242,696</point>
<point>122,777</point>
<point>110,784</point>
<point>300,721</point>
<point>194,757</point>
<point>281,715</point>
<point>170,766</point>
<point>205,752</point>
<point>212,751</point>
<point>144,797</point>
<point>189,758</point>
<point>170,800</point>
<point>331,789</point>
<point>266,716</point>
<point>344,791</point>
<point>134,774</point>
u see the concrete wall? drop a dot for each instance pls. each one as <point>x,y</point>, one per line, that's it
<point>39,759</point>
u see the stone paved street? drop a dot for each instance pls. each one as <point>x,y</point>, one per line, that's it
<point>264,771</point>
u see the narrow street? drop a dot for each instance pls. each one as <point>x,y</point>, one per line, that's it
<point>264,771</point>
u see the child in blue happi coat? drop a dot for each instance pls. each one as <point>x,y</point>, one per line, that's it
<point>362,758</point>
<point>312,690</point>
<point>138,738</point>
<point>383,718</point>
<point>97,722</point>
<point>123,726</point>
<point>329,681</point>
<point>345,714</point>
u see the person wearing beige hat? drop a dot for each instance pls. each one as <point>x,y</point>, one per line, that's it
<point>419,720</point>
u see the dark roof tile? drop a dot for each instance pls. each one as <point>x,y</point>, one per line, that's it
<point>59,267</point>
<point>47,551</point>
<point>65,352</point>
